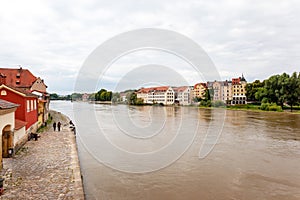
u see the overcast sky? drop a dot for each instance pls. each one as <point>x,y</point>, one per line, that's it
<point>53,38</point>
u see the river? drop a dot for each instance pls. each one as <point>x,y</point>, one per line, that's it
<point>255,156</point>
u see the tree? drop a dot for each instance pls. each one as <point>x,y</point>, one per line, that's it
<point>293,90</point>
<point>261,94</point>
<point>103,95</point>
<point>116,97</point>
<point>76,96</point>
<point>133,98</point>
<point>252,88</point>
<point>207,95</point>
<point>92,97</point>
<point>54,96</point>
<point>276,88</point>
<point>108,96</point>
<point>279,89</point>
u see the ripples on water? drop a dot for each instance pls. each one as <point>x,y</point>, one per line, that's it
<point>256,157</point>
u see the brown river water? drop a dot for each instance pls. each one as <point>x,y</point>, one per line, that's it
<point>256,155</point>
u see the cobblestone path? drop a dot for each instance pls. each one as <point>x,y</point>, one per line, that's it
<point>45,169</point>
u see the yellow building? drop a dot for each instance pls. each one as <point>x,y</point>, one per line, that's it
<point>200,90</point>
<point>238,91</point>
<point>39,88</point>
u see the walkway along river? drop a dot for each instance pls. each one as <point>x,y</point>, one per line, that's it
<point>256,157</point>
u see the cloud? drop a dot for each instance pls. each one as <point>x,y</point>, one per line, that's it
<point>53,38</point>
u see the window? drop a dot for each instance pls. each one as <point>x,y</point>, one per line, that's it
<point>34,104</point>
<point>28,105</point>
<point>31,102</point>
<point>3,93</point>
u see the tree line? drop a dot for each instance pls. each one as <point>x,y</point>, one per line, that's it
<point>281,90</point>
<point>103,95</point>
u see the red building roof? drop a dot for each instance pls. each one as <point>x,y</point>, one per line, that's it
<point>180,89</point>
<point>203,84</point>
<point>160,88</point>
<point>20,91</point>
<point>17,77</point>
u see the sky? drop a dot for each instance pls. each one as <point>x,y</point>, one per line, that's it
<point>54,38</point>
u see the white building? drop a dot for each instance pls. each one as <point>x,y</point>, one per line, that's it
<point>12,130</point>
<point>157,95</point>
<point>182,95</point>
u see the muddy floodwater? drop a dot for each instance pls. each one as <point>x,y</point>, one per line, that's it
<point>255,156</point>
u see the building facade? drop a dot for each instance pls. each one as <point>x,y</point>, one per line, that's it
<point>230,92</point>
<point>199,90</point>
<point>239,91</point>
<point>182,95</point>
<point>24,81</point>
<point>28,106</point>
<point>12,130</point>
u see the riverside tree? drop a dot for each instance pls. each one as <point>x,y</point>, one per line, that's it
<point>280,89</point>
<point>103,95</point>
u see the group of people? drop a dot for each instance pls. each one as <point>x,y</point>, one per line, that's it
<point>58,126</point>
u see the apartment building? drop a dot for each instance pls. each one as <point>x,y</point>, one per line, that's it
<point>239,91</point>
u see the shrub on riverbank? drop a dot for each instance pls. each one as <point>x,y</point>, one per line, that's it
<point>218,104</point>
<point>270,107</point>
<point>205,103</point>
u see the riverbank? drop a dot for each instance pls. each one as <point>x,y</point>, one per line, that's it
<point>47,168</point>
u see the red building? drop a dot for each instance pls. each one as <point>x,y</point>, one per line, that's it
<point>27,111</point>
<point>23,80</point>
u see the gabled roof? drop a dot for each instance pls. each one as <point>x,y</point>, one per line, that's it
<point>7,105</point>
<point>203,84</point>
<point>18,77</point>
<point>19,91</point>
<point>180,89</point>
<point>153,89</point>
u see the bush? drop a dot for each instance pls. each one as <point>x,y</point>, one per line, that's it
<point>270,107</point>
<point>218,103</point>
<point>204,103</point>
<point>265,100</point>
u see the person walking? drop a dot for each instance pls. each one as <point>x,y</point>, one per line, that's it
<point>58,126</point>
<point>54,126</point>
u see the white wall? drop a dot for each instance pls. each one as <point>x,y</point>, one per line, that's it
<point>7,119</point>
<point>19,134</point>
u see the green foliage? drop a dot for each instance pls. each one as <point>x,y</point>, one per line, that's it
<point>103,95</point>
<point>197,99</point>
<point>218,103</point>
<point>133,100</point>
<point>76,96</point>
<point>208,94</point>
<point>116,97</point>
<point>252,88</point>
<point>92,97</point>
<point>278,89</point>
<point>53,96</point>
<point>205,103</point>
<point>139,101</point>
<point>270,107</point>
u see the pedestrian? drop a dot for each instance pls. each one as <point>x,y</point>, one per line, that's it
<point>54,126</point>
<point>58,126</point>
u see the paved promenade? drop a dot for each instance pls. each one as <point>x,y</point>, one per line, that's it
<point>45,169</point>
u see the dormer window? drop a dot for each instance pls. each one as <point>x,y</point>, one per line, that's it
<point>18,75</point>
<point>18,82</point>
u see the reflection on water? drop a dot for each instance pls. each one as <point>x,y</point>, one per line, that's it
<point>256,157</point>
